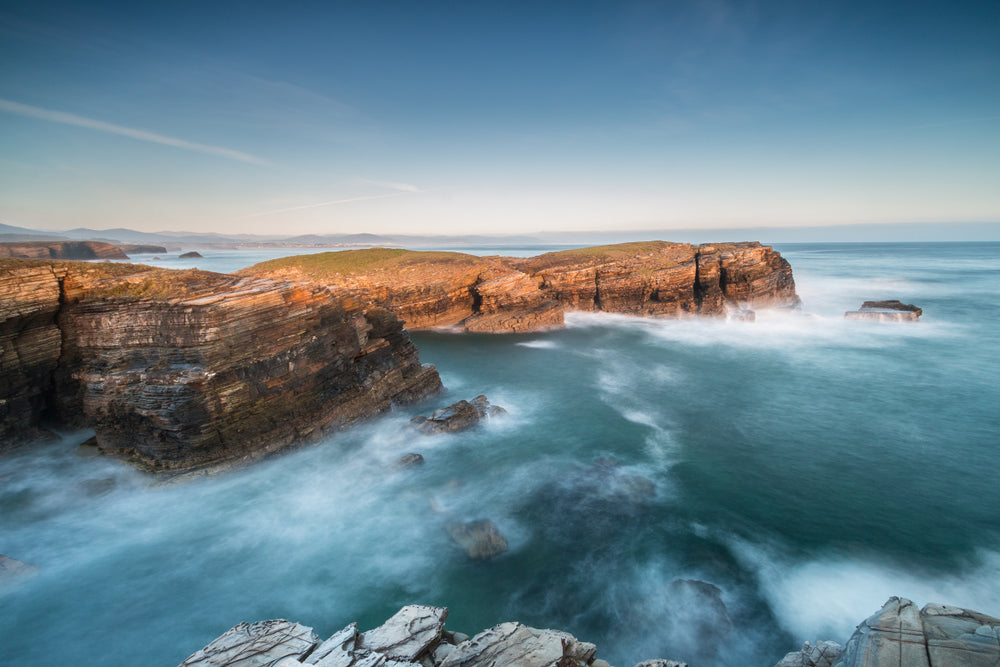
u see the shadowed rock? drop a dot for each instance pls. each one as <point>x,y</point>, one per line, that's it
<point>409,460</point>
<point>458,416</point>
<point>885,311</point>
<point>194,254</point>
<point>480,539</point>
<point>823,654</point>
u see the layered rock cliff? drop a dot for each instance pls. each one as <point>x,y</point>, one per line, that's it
<point>180,369</point>
<point>62,250</point>
<point>507,294</point>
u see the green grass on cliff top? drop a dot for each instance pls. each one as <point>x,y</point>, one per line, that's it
<point>348,262</point>
<point>634,249</point>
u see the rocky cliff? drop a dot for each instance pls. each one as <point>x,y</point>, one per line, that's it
<point>180,369</point>
<point>62,250</point>
<point>507,294</point>
<point>898,635</point>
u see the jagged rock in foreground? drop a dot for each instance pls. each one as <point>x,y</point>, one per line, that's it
<point>62,250</point>
<point>413,637</point>
<point>458,416</point>
<point>935,636</point>
<point>823,654</point>
<point>896,636</point>
<point>181,369</point>
<point>511,294</point>
<point>885,311</point>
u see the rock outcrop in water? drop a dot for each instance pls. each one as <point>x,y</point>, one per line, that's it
<point>509,294</point>
<point>885,311</point>
<point>62,250</point>
<point>459,416</point>
<point>898,634</point>
<point>181,369</point>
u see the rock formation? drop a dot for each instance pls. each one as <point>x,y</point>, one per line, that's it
<point>480,539</point>
<point>139,249</point>
<point>898,634</point>
<point>413,637</point>
<point>935,636</point>
<point>509,294</point>
<point>885,311</point>
<point>180,369</point>
<point>459,416</point>
<point>62,250</point>
<point>194,254</point>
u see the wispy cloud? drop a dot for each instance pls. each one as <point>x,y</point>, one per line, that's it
<point>392,185</point>
<point>324,203</point>
<point>142,135</point>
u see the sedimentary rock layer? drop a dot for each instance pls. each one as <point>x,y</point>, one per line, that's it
<point>62,250</point>
<point>179,369</point>
<point>507,294</point>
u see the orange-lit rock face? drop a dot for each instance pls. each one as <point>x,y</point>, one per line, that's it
<point>180,369</point>
<point>507,294</point>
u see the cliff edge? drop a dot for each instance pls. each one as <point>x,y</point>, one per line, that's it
<point>182,369</point>
<point>510,294</point>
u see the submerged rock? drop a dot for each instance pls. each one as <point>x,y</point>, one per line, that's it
<point>12,570</point>
<point>458,416</point>
<point>480,539</point>
<point>660,663</point>
<point>409,460</point>
<point>885,311</point>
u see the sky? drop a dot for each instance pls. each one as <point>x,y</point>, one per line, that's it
<point>497,117</point>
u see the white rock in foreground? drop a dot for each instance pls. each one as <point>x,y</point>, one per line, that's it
<point>516,644</point>
<point>260,644</point>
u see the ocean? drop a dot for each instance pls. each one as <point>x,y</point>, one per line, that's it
<point>805,466</point>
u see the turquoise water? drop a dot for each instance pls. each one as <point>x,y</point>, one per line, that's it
<point>807,466</point>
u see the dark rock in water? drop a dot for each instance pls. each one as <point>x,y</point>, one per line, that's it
<point>823,654</point>
<point>458,416</point>
<point>700,614</point>
<point>98,487</point>
<point>885,311</point>
<point>936,636</point>
<point>409,460</point>
<point>12,570</point>
<point>480,539</point>
<point>260,644</point>
<point>191,255</point>
<point>660,663</point>
<point>744,315</point>
<point>139,249</point>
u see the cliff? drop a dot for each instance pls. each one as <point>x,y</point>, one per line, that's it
<point>899,634</point>
<point>181,369</point>
<point>507,294</point>
<point>62,250</point>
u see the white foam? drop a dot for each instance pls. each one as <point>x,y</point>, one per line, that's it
<point>540,344</point>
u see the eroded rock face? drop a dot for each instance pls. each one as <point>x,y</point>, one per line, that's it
<point>260,644</point>
<point>936,636</point>
<point>180,369</point>
<point>823,654</point>
<point>62,250</point>
<point>508,294</point>
<point>516,644</point>
<point>410,633</point>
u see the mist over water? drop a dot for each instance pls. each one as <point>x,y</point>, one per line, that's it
<point>806,466</point>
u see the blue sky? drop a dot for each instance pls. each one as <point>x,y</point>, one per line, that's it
<point>511,117</point>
